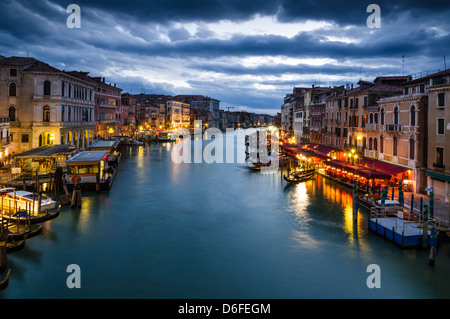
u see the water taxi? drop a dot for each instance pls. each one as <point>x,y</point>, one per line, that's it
<point>16,200</point>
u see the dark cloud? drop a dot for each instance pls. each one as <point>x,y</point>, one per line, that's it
<point>119,37</point>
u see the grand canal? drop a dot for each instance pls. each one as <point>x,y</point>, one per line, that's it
<point>169,230</point>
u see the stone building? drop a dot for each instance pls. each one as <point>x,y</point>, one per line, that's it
<point>45,105</point>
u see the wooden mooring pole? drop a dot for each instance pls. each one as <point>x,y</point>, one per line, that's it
<point>76,197</point>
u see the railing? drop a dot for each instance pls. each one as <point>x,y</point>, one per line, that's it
<point>371,153</point>
<point>393,128</point>
<point>372,127</point>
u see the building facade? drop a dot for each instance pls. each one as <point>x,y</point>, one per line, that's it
<point>45,105</point>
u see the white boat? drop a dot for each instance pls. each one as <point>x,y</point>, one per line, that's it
<point>16,200</point>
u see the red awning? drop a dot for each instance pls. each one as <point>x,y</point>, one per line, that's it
<point>382,166</point>
<point>369,174</point>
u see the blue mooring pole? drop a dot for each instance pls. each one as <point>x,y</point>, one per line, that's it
<point>433,246</point>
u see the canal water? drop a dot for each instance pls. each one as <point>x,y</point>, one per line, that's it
<point>169,230</point>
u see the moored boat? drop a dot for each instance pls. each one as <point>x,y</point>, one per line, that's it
<point>298,177</point>
<point>14,246</point>
<point>19,200</point>
<point>5,282</point>
<point>34,230</point>
<point>164,136</point>
<point>24,217</point>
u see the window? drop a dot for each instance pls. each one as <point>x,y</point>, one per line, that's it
<point>381,144</point>
<point>47,88</point>
<point>394,146</point>
<point>395,116</point>
<point>12,72</point>
<point>370,143</point>
<point>382,117</point>
<point>441,100</point>
<point>25,138</point>
<point>13,89</point>
<point>440,126</point>
<point>375,144</point>
<point>412,149</point>
<point>376,118</point>
<point>439,157</point>
<point>371,118</point>
<point>12,113</point>
<point>63,88</point>
<point>412,116</point>
<point>46,114</point>
<point>365,101</point>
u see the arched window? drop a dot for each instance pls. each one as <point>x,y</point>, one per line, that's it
<point>382,117</point>
<point>376,118</point>
<point>394,146</point>
<point>12,114</point>
<point>12,89</point>
<point>370,143</point>
<point>47,88</point>
<point>381,144</point>
<point>375,144</point>
<point>46,113</point>
<point>395,115</point>
<point>412,116</point>
<point>371,118</point>
<point>412,148</point>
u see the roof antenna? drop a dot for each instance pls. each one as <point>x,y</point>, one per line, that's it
<point>403,62</point>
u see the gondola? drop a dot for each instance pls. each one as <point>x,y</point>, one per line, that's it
<point>34,219</point>
<point>14,246</point>
<point>299,177</point>
<point>24,234</point>
<point>5,282</point>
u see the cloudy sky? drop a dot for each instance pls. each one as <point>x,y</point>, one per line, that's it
<point>247,54</point>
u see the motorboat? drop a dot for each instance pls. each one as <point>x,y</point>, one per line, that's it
<point>18,200</point>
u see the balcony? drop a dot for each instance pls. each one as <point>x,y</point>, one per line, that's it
<point>372,127</point>
<point>371,153</point>
<point>107,106</point>
<point>393,128</point>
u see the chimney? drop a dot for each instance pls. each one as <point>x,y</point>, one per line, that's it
<point>352,85</point>
<point>103,80</point>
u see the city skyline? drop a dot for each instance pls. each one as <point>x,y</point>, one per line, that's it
<point>247,55</point>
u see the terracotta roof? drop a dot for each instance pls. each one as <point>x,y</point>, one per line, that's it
<point>17,61</point>
<point>39,66</point>
<point>418,80</point>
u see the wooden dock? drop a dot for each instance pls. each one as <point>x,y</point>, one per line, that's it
<point>404,233</point>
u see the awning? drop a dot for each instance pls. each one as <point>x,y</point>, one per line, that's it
<point>442,177</point>
<point>374,174</point>
<point>382,166</point>
<point>324,150</point>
